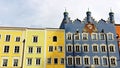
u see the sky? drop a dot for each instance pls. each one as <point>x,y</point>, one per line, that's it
<point>49,13</point>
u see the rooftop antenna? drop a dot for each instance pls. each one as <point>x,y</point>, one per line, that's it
<point>110,10</point>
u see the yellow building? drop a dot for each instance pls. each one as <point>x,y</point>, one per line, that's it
<point>34,48</point>
<point>11,47</point>
<point>55,48</point>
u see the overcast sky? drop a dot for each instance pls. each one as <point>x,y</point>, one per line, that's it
<point>49,13</point>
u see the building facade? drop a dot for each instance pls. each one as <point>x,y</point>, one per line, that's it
<point>11,50</point>
<point>90,43</point>
<point>34,48</point>
<point>55,48</point>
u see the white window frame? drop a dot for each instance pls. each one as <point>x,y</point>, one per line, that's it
<point>113,47</point>
<point>103,62</point>
<point>100,36</point>
<point>7,61</point>
<point>88,60</point>
<point>83,36</point>
<point>93,48</point>
<point>40,50</point>
<point>32,50</point>
<point>108,36</point>
<point>67,36</point>
<point>79,47</point>
<point>13,61</point>
<point>93,36</point>
<point>27,61</point>
<point>80,60</point>
<point>101,48</point>
<point>71,47</point>
<point>36,60</point>
<point>115,61</point>
<point>75,37</point>
<point>83,47</point>
<point>67,60</point>
<point>98,60</point>
<point>50,60</point>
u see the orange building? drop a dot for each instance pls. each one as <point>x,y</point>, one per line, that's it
<point>118,34</point>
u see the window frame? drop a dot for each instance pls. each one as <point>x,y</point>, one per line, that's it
<point>17,49</point>
<point>111,37</point>
<point>103,62</point>
<point>16,39</point>
<point>93,48</point>
<point>68,36</point>
<point>92,37</point>
<point>115,61</point>
<point>88,60</point>
<point>80,60</point>
<point>55,39</point>
<point>4,50</point>
<point>78,37</point>
<point>49,50</point>
<point>28,62</point>
<point>84,49</point>
<point>110,49</point>
<point>76,48</point>
<point>7,40</point>
<point>36,61</point>
<point>29,49</point>
<point>35,39</point>
<point>83,36</point>
<point>98,60</point>
<point>71,48</point>
<point>68,62</point>
<point>101,48</point>
<point>100,36</point>
<point>37,51</point>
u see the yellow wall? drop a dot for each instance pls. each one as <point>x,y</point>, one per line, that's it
<point>28,42</point>
<point>11,55</point>
<point>55,54</point>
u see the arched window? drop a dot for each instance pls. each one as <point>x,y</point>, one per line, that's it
<point>54,39</point>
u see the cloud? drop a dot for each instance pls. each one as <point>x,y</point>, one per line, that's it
<point>46,13</point>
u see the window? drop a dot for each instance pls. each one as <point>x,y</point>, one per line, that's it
<point>29,61</point>
<point>105,61</point>
<point>37,61</point>
<point>77,36</point>
<point>77,60</point>
<point>54,38</point>
<point>38,50</point>
<point>60,48</point>
<point>16,50</point>
<point>113,61</point>
<point>35,39</point>
<point>102,36</point>
<point>50,48</point>
<point>103,48</point>
<point>55,60</point>
<point>111,48</point>
<point>7,38</point>
<point>69,36</point>
<point>69,60</point>
<point>96,60</point>
<point>85,36</point>
<point>62,60</point>
<point>30,49</point>
<point>49,60</point>
<point>95,48</point>
<point>0,36</point>
<point>6,49</point>
<point>85,48</point>
<point>15,62</point>
<point>77,48</point>
<point>5,62</point>
<point>69,48</point>
<point>86,60</point>
<point>94,36</point>
<point>17,39</point>
<point>110,36</point>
